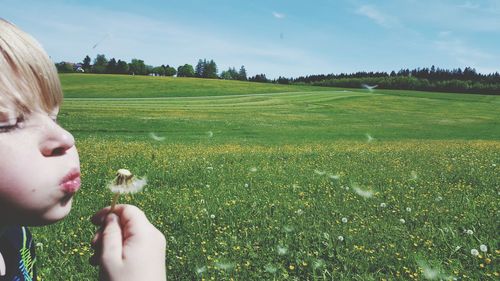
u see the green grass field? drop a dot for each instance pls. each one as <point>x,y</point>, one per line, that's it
<point>254,181</point>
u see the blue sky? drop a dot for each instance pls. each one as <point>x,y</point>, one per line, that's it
<point>276,37</point>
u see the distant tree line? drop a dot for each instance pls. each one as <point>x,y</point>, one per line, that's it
<point>101,65</point>
<point>425,79</point>
<point>467,80</point>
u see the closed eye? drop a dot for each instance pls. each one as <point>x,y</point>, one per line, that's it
<point>12,126</point>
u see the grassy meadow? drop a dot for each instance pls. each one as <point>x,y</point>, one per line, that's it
<point>253,181</point>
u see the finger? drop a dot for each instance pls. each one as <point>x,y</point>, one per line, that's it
<point>94,259</point>
<point>96,241</point>
<point>111,240</point>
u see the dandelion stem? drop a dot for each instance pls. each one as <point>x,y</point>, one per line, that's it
<point>113,203</point>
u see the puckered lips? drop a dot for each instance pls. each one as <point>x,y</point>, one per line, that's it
<point>71,182</point>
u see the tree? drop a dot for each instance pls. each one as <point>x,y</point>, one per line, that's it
<point>210,70</point>
<point>121,67</point>
<point>170,71</point>
<point>111,67</point>
<point>229,74</point>
<point>100,63</point>
<point>259,78</point>
<point>185,71</point>
<point>64,67</point>
<point>242,74</point>
<point>200,68</point>
<point>86,64</point>
<point>137,67</point>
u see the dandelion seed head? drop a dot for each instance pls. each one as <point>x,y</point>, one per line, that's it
<point>212,216</point>
<point>474,252</point>
<point>344,220</point>
<point>246,185</point>
<point>340,238</point>
<point>483,248</point>
<point>408,209</point>
<point>402,221</point>
<point>125,183</point>
<point>326,235</point>
<point>469,231</point>
<point>383,205</point>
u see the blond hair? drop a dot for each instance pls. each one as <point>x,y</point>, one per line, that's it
<point>28,78</point>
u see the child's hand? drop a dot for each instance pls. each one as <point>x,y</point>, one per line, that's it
<point>128,246</point>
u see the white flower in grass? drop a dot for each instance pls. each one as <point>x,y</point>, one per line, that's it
<point>340,238</point>
<point>402,221</point>
<point>383,205</point>
<point>246,185</point>
<point>344,220</point>
<point>212,216</point>
<point>408,209</point>
<point>299,212</point>
<point>474,252</point>
<point>483,248</point>
<point>125,183</point>
<point>469,231</point>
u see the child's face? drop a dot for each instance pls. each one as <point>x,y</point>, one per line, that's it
<point>39,170</point>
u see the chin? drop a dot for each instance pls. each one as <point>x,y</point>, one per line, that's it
<point>56,213</point>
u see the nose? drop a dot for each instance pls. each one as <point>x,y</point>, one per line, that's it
<point>56,141</point>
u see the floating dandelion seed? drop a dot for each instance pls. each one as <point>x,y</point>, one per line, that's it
<point>155,137</point>
<point>429,272</point>
<point>210,134</point>
<point>344,220</point>
<point>319,172</point>
<point>253,169</point>
<point>369,88</point>
<point>383,205</point>
<point>334,177</point>
<point>200,270</point>
<point>483,248</point>
<point>271,269</point>
<point>282,250</point>
<point>361,192</point>
<point>224,265</point>
<point>474,252</point>
<point>125,183</point>
<point>318,263</point>
<point>370,138</point>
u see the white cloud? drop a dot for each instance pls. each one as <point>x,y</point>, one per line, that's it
<point>374,14</point>
<point>279,16</point>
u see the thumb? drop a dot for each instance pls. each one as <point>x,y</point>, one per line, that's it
<point>112,241</point>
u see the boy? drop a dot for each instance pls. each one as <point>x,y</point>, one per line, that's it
<point>40,173</point>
